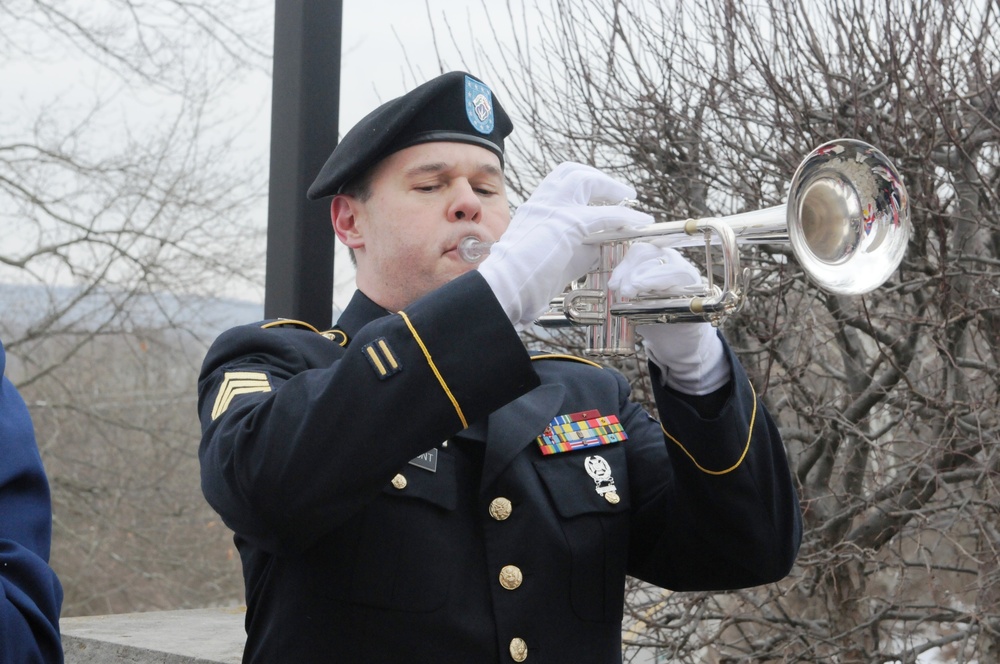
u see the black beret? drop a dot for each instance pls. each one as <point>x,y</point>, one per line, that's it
<point>455,107</point>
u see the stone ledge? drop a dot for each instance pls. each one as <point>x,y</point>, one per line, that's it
<point>197,636</point>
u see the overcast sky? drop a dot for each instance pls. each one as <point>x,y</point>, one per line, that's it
<point>388,47</point>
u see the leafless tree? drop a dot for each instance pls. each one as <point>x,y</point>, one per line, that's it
<point>888,402</point>
<point>131,530</point>
<point>121,186</point>
<point>123,199</point>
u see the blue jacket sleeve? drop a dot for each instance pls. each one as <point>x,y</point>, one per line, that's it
<point>30,593</point>
<point>733,519</point>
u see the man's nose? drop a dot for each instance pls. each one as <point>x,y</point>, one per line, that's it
<point>466,205</point>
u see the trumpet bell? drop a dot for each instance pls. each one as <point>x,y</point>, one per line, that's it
<point>848,217</point>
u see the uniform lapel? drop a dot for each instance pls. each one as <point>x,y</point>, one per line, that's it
<point>518,424</point>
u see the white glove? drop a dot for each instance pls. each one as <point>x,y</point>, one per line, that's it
<point>542,250</point>
<point>690,355</point>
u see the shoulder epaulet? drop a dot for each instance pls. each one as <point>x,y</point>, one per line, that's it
<point>562,356</point>
<point>287,322</point>
<point>339,337</point>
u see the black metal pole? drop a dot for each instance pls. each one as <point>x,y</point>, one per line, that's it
<point>304,119</point>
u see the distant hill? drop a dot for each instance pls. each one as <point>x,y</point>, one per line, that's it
<point>25,306</point>
<point>203,318</point>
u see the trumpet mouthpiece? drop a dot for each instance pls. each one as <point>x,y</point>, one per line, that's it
<point>473,250</point>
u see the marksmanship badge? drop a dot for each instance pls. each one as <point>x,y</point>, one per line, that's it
<point>600,471</point>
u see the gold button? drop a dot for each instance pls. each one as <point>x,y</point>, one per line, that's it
<point>518,649</point>
<point>399,482</point>
<point>500,508</point>
<point>612,497</point>
<point>511,577</point>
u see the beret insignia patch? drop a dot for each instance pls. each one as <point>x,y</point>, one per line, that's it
<point>236,383</point>
<point>479,105</point>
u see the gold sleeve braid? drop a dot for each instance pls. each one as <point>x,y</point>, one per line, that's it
<point>437,374</point>
<point>746,448</point>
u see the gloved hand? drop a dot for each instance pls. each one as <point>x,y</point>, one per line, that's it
<point>542,250</point>
<point>690,355</point>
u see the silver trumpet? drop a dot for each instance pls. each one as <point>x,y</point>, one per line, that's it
<point>847,219</point>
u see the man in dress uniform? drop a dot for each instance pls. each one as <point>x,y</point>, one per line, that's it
<point>414,486</point>
<point>30,593</point>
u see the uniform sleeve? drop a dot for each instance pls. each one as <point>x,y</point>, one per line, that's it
<point>30,593</point>
<point>716,508</point>
<point>299,434</point>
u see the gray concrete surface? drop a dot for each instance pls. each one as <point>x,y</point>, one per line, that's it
<point>197,636</point>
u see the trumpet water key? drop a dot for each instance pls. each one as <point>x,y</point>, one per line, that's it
<point>847,219</point>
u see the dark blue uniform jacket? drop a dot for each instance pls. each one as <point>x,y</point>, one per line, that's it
<point>391,502</point>
<point>30,593</point>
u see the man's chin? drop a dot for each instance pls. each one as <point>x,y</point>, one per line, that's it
<point>457,270</point>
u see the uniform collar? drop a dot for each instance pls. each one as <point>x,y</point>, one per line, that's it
<point>359,312</point>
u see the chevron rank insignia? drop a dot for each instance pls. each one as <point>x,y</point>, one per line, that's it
<point>577,431</point>
<point>381,357</point>
<point>236,383</point>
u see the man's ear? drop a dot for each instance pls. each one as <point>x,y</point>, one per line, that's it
<point>344,214</point>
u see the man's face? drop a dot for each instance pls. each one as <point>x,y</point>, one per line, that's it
<point>424,200</point>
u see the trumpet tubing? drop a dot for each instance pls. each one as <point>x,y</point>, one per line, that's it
<point>847,219</point>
